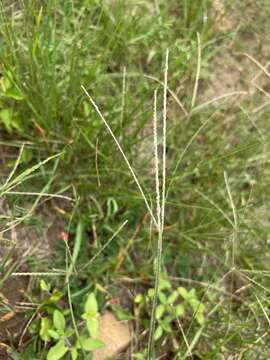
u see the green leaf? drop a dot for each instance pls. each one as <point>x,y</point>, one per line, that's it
<point>9,120</point>
<point>162,298</point>
<point>123,315</point>
<point>151,293</point>
<point>86,109</point>
<point>57,351</point>
<point>138,299</point>
<point>53,334</point>
<point>166,326</point>
<point>39,17</point>
<point>164,284</point>
<point>160,311</point>
<point>199,313</point>
<point>89,344</point>
<point>92,326</point>
<point>59,320</point>
<point>69,332</point>
<point>112,207</point>
<point>91,315</point>
<point>139,356</point>
<point>74,353</point>
<point>91,304</point>
<point>173,297</point>
<point>9,88</point>
<point>45,326</point>
<point>158,333</point>
<point>183,292</point>
<point>27,155</point>
<point>200,318</point>
<point>14,93</point>
<point>201,308</point>
<point>6,117</point>
<point>180,310</point>
<point>192,294</point>
<point>6,83</point>
<point>44,286</point>
<point>168,319</point>
<point>194,304</point>
<point>56,296</point>
<point>77,245</point>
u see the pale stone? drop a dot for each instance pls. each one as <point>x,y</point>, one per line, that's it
<point>115,335</point>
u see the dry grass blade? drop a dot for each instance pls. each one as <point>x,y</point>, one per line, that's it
<point>218,98</point>
<point>263,309</point>
<point>196,84</point>
<point>231,199</point>
<point>253,80</point>
<point>260,107</point>
<point>57,196</point>
<point>258,64</point>
<point>262,90</point>
<point>38,273</point>
<point>235,221</point>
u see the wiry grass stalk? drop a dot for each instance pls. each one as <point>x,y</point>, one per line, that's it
<point>159,245</point>
<point>160,205</point>
<point>60,273</point>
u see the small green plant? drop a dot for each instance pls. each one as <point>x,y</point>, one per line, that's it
<point>9,94</point>
<point>173,304</point>
<point>60,337</point>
